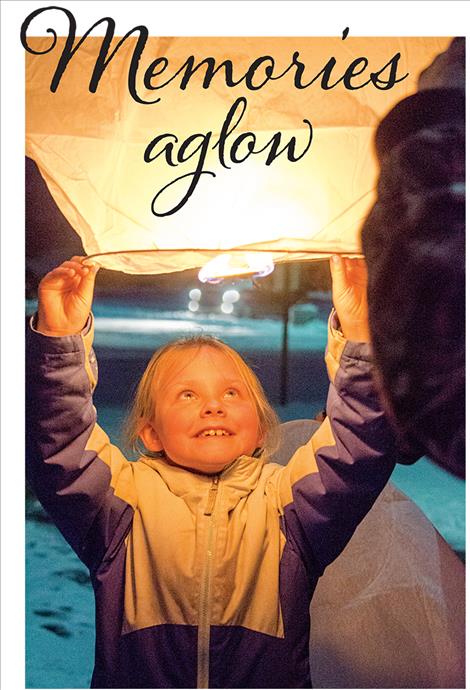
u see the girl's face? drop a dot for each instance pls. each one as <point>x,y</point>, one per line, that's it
<point>204,417</point>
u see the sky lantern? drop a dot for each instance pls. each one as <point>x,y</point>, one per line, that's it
<point>234,151</point>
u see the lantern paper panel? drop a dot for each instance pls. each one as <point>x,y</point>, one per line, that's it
<point>90,148</point>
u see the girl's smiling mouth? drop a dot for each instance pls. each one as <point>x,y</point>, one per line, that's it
<point>213,432</point>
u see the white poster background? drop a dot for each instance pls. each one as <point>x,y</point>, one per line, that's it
<point>171,18</point>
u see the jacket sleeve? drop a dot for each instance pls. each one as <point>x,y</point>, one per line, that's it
<point>81,479</point>
<point>330,483</point>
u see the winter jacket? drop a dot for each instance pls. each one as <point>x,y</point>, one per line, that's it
<point>202,581</point>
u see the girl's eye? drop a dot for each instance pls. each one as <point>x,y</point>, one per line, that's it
<point>187,395</point>
<point>230,393</point>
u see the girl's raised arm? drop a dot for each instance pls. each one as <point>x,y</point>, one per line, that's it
<point>82,480</point>
<point>333,480</point>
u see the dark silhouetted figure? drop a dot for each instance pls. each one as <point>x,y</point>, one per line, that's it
<point>414,244</point>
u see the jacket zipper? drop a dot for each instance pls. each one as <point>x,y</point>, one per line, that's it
<point>203,636</point>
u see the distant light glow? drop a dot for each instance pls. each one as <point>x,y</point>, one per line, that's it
<point>195,294</point>
<point>231,296</point>
<point>193,305</point>
<point>247,263</point>
<point>226,307</point>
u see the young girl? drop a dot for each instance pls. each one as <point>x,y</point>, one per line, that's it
<point>202,554</point>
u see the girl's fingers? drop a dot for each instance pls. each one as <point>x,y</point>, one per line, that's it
<point>338,273</point>
<point>355,271</point>
<point>87,266</point>
<point>73,267</point>
<point>76,265</point>
<point>60,277</point>
<point>59,273</point>
<point>85,262</point>
<point>361,269</point>
<point>62,270</point>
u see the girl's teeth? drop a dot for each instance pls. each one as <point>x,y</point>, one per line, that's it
<point>214,432</point>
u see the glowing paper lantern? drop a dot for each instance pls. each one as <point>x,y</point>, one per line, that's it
<point>90,147</point>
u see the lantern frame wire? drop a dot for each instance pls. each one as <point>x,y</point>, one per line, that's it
<point>227,250</point>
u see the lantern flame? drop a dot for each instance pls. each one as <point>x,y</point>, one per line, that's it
<point>245,264</point>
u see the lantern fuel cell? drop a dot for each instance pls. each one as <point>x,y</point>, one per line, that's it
<point>236,264</point>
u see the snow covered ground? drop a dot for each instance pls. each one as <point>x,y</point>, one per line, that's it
<point>241,333</point>
<point>59,598</point>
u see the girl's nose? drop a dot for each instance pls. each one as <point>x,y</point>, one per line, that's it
<point>213,408</point>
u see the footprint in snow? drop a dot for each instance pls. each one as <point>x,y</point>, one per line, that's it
<point>57,629</point>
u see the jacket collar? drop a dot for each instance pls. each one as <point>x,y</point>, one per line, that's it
<point>238,479</point>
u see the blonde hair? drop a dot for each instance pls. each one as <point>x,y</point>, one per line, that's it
<point>165,360</point>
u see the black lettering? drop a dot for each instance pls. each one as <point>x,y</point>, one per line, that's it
<point>167,150</point>
<point>268,70</point>
<point>33,15</point>
<point>392,77</point>
<point>325,74</point>
<point>300,68</point>
<point>102,61</point>
<point>261,69</point>
<point>294,63</point>
<point>202,147</point>
<point>183,156</point>
<point>152,71</point>
<point>351,72</point>
<point>290,146</point>
<point>238,142</point>
<point>228,127</point>
<point>211,71</point>
<point>195,177</point>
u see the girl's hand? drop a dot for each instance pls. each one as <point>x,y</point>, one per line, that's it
<point>349,278</point>
<point>65,297</point>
